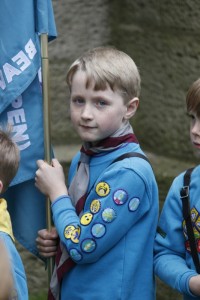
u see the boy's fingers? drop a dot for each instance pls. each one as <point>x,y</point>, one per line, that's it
<point>40,162</point>
<point>46,234</point>
<point>47,255</point>
<point>46,242</point>
<point>42,249</point>
<point>55,162</point>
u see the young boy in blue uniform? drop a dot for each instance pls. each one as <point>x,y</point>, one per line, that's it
<point>173,260</point>
<point>107,218</point>
<point>13,283</point>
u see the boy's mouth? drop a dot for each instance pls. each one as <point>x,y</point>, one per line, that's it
<point>197,145</point>
<point>87,127</point>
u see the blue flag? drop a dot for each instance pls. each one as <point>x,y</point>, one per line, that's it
<point>21,105</point>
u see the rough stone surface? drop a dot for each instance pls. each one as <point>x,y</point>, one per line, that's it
<point>163,39</point>
<point>81,25</point>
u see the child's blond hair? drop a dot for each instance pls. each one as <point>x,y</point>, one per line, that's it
<point>9,157</point>
<point>108,66</point>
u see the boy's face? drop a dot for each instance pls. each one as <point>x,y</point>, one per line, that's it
<point>95,114</point>
<point>195,131</point>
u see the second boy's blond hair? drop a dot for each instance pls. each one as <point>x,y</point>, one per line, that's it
<point>9,158</point>
<point>108,66</point>
<point>193,98</point>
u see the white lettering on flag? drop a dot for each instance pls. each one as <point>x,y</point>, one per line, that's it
<point>2,81</point>
<point>17,119</point>
<point>30,49</point>
<point>22,60</point>
<point>10,71</point>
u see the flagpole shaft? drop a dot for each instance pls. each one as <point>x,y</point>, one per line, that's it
<point>47,131</point>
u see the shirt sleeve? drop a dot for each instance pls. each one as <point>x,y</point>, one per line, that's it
<point>170,254</point>
<point>118,201</point>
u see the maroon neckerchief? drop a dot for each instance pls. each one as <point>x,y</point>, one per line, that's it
<point>63,262</point>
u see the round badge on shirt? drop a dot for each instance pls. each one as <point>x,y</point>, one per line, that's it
<point>133,204</point>
<point>108,215</point>
<point>120,197</point>
<point>98,230</point>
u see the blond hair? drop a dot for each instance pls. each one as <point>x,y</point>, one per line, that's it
<point>9,157</point>
<point>107,65</point>
<point>193,98</point>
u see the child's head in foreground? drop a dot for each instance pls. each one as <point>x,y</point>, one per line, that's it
<point>108,66</point>
<point>9,158</point>
<point>104,87</point>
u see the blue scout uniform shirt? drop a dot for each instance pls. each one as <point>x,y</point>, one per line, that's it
<point>18,273</point>
<point>173,260</point>
<point>112,242</point>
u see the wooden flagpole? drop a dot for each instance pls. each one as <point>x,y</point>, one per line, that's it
<point>47,128</point>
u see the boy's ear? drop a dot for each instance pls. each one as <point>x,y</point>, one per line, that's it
<point>132,106</point>
<point>1,186</point>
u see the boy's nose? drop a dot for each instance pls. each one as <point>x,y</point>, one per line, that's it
<point>196,128</point>
<point>87,112</point>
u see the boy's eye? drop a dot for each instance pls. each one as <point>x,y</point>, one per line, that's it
<point>191,116</point>
<point>78,100</point>
<point>101,103</point>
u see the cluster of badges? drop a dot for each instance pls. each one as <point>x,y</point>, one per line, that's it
<point>108,215</point>
<point>71,232</point>
<point>195,218</point>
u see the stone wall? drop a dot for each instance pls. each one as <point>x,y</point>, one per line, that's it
<point>163,39</point>
<point>81,25</point>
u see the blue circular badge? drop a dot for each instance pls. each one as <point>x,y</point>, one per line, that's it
<point>98,230</point>
<point>120,197</point>
<point>88,245</point>
<point>108,215</point>
<point>133,204</point>
<point>75,255</point>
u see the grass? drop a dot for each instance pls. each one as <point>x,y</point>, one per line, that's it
<point>38,296</point>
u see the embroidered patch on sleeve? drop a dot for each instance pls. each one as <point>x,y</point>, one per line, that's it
<point>194,214</point>
<point>86,219</point>
<point>75,235</point>
<point>120,197</point>
<point>68,231</point>
<point>88,245</point>
<point>161,232</point>
<point>95,206</point>
<point>108,215</point>
<point>195,219</point>
<point>75,255</point>
<point>102,189</point>
<point>133,204</point>
<point>98,230</point>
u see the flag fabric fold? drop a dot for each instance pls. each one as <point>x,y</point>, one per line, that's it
<point>21,23</point>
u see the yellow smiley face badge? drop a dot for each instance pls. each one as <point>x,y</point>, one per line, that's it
<point>102,189</point>
<point>86,218</point>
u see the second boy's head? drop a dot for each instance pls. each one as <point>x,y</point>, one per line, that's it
<point>193,110</point>
<point>193,98</point>
<point>104,87</point>
<point>9,159</point>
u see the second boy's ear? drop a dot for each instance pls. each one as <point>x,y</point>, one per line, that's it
<point>132,106</point>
